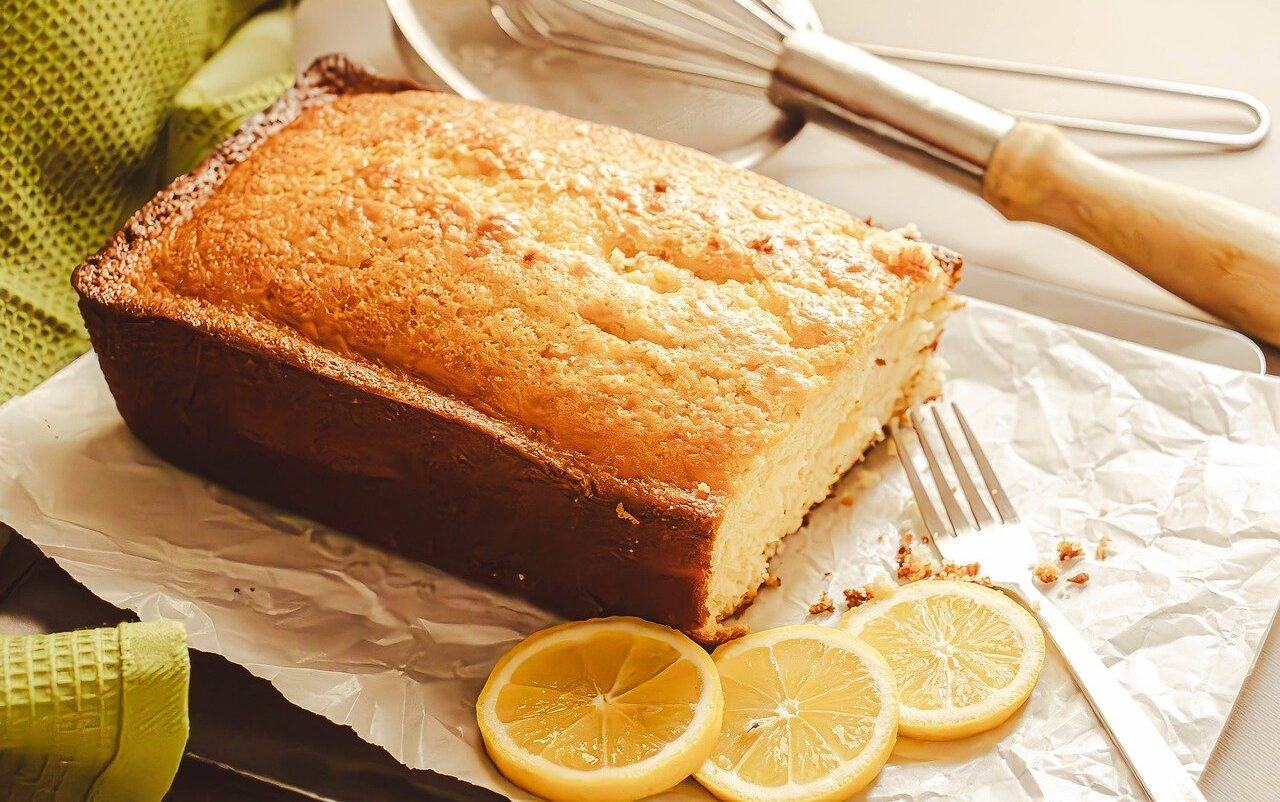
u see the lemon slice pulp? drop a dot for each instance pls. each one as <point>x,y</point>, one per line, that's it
<point>810,714</point>
<point>965,656</point>
<point>608,709</point>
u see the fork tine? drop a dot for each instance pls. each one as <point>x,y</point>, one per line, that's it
<point>959,521</point>
<point>979,507</point>
<point>933,525</point>
<point>1001,499</point>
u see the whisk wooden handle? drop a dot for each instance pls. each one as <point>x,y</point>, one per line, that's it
<point>1220,255</point>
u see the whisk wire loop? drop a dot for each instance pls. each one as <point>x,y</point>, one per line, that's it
<point>739,42</point>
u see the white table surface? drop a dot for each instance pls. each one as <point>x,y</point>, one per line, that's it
<point>1231,44</point>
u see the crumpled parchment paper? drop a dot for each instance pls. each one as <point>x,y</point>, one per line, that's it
<point>1177,461</point>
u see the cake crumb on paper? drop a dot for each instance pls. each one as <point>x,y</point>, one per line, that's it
<point>822,605</point>
<point>856,597</point>
<point>1046,572</point>
<point>881,586</point>
<point>846,501</point>
<point>956,571</point>
<point>1069,549</point>
<point>910,567</point>
<point>1078,579</point>
<point>1104,550</point>
<point>771,581</point>
<point>969,572</point>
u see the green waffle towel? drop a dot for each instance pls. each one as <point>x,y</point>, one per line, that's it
<point>101,102</point>
<point>98,714</point>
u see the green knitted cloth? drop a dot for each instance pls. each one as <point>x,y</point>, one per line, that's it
<point>101,102</point>
<point>97,715</point>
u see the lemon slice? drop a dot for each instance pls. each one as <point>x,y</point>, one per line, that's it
<point>810,713</point>
<point>607,709</point>
<point>965,656</point>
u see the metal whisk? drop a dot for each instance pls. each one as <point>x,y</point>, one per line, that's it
<point>777,46</point>
<point>1218,254</point>
<point>739,41</point>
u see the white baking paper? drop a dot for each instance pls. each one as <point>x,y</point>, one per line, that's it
<point>1177,461</point>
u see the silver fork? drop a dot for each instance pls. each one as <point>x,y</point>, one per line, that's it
<point>1005,551</point>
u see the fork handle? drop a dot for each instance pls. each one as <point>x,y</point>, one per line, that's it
<point>1143,747</point>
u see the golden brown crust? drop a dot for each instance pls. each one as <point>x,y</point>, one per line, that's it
<point>618,298</point>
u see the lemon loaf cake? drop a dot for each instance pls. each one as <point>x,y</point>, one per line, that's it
<point>603,372</point>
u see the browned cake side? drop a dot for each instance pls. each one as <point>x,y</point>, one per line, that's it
<point>533,351</point>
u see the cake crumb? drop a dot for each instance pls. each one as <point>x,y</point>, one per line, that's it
<point>1078,579</point>
<point>957,571</point>
<point>846,501</point>
<point>626,516</point>
<point>911,569</point>
<point>881,586</point>
<point>880,361</point>
<point>1046,572</point>
<point>1104,550</point>
<point>1069,550</point>
<point>771,581</point>
<point>967,572</point>
<point>822,605</point>
<point>856,597</point>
